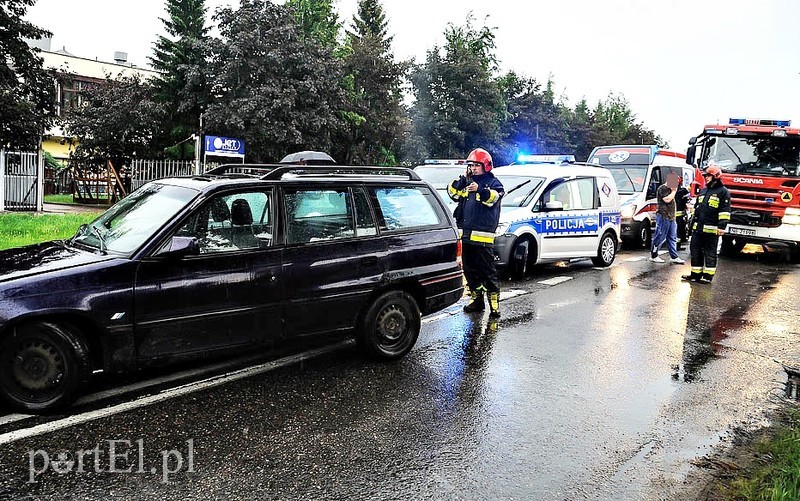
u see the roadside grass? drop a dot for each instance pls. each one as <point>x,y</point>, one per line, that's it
<point>17,230</point>
<point>779,478</point>
<point>59,199</point>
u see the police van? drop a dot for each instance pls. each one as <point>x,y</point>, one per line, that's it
<point>553,212</point>
<point>638,171</point>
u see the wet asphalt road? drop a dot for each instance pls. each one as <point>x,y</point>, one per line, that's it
<point>595,384</point>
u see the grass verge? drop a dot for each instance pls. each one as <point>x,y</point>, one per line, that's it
<point>17,230</point>
<point>777,476</point>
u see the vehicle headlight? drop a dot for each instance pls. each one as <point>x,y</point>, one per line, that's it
<point>502,228</point>
<point>792,216</point>
<point>628,211</point>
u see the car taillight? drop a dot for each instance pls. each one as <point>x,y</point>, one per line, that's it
<point>458,254</point>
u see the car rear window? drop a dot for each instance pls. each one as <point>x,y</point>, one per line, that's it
<point>404,207</point>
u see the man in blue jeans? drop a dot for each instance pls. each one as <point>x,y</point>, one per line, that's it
<point>666,227</point>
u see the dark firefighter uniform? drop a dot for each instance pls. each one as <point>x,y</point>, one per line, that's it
<point>712,212</point>
<point>681,202</point>
<point>479,214</point>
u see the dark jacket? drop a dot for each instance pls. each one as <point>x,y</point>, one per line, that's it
<point>479,211</point>
<point>681,200</point>
<point>712,210</point>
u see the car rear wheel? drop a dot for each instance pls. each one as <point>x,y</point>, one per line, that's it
<point>606,251</point>
<point>42,366</point>
<point>390,326</point>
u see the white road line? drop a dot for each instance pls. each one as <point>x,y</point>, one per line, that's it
<point>13,418</point>
<point>555,280</point>
<point>511,293</point>
<point>635,259</point>
<point>212,382</point>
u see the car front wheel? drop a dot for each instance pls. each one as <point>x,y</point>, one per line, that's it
<point>42,366</point>
<point>390,326</point>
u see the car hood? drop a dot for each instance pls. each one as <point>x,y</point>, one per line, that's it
<point>42,258</point>
<point>510,214</point>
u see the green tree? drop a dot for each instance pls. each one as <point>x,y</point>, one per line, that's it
<point>534,121</point>
<point>614,122</point>
<point>183,87</point>
<point>458,101</point>
<point>117,122</point>
<point>27,100</point>
<point>275,89</point>
<point>374,81</point>
<point>317,20</point>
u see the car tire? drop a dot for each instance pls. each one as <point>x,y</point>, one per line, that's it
<point>42,366</point>
<point>522,258</point>
<point>606,251</point>
<point>390,326</point>
<point>645,235</point>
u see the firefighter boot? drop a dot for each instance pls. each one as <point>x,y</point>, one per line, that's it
<point>494,305</point>
<point>692,277</point>
<point>705,278</point>
<point>476,304</point>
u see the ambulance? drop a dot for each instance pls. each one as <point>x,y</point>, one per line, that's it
<point>556,212</point>
<point>638,171</point>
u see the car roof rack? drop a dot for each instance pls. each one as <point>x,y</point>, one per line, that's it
<point>277,171</point>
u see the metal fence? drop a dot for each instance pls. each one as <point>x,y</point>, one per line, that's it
<point>144,171</point>
<point>21,180</point>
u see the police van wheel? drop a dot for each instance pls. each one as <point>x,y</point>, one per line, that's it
<point>390,326</point>
<point>42,365</point>
<point>606,251</point>
<point>522,258</point>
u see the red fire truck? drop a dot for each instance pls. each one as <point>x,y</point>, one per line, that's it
<point>760,161</point>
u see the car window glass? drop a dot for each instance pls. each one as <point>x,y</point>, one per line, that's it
<point>405,207</point>
<point>316,215</point>
<point>586,193</point>
<point>365,223</point>
<point>232,222</point>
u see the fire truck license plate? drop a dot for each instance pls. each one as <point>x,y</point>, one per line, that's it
<point>742,231</point>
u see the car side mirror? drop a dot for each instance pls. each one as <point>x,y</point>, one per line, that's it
<point>554,205</point>
<point>179,247</point>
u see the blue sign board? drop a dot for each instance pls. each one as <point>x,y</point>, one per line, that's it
<point>224,146</point>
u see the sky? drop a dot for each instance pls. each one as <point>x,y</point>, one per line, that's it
<point>681,64</point>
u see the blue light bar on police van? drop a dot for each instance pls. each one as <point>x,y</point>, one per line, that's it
<point>545,159</point>
<point>756,121</point>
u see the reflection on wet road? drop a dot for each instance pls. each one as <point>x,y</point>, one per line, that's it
<point>603,386</point>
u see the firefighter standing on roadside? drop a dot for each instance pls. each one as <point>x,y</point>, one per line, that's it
<point>681,203</point>
<point>478,193</point>
<point>712,212</point>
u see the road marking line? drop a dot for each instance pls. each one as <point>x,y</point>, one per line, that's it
<point>555,280</point>
<point>211,382</point>
<point>511,293</point>
<point>13,418</point>
<point>634,259</point>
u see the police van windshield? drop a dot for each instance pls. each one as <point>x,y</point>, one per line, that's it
<point>630,179</point>
<point>439,176</point>
<point>519,189</point>
<point>765,156</point>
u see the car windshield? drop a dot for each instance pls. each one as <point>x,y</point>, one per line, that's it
<point>630,179</point>
<point>133,220</point>
<point>766,156</point>
<point>519,189</point>
<point>439,176</point>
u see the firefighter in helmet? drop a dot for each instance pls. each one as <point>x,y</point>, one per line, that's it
<point>478,194</point>
<point>712,213</point>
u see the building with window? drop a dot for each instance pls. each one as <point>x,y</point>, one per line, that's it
<point>78,74</point>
